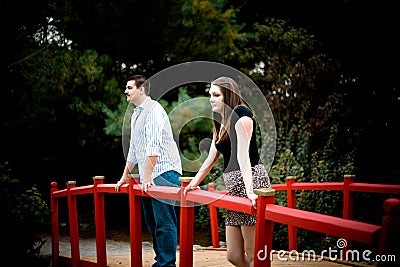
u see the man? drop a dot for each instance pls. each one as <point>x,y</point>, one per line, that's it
<point>153,148</point>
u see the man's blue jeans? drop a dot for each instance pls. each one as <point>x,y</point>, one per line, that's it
<point>161,221</point>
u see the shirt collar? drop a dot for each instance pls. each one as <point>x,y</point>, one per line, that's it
<point>146,102</point>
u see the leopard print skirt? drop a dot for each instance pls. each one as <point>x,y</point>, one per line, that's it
<point>235,186</point>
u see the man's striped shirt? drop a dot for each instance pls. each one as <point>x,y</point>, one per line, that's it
<point>151,135</point>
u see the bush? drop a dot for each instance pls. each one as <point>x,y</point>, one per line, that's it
<point>24,216</point>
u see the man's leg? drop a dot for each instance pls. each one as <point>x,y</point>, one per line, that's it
<point>148,213</point>
<point>166,222</point>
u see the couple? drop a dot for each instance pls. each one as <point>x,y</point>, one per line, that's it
<point>153,148</point>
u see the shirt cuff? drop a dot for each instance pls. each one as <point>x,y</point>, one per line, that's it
<point>152,151</point>
<point>131,158</point>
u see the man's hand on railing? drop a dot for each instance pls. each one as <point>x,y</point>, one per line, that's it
<point>121,181</point>
<point>146,185</point>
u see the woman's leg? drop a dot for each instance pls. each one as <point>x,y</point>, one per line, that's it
<point>249,235</point>
<point>235,247</point>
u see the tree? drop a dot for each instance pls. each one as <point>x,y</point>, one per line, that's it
<point>297,78</point>
<point>62,106</point>
<point>208,30</point>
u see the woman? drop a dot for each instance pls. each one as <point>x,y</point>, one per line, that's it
<point>234,136</point>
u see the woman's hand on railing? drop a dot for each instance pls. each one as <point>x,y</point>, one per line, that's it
<point>189,187</point>
<point>253,197</point>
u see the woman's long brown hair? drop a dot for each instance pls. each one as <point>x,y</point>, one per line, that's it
<point>230,92</point>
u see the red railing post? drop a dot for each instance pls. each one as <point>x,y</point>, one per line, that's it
<point>73,225</point>
<point>348,204</point>
<point>291,203</point>
<point>389,244</point>
<point>347,197</point>
<point>55,241</point>
<point>99,219</point>
<point>213,220</point>
<point>135,223</point>
<point>186,229</point>
<point>264,228</point>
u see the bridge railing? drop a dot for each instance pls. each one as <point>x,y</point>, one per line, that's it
<point>348,186</point>
<point>267,213</point>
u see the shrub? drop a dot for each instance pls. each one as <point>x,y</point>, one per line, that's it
<point>24,214</point>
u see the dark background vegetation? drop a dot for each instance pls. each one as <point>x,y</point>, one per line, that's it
<point>61,101</point>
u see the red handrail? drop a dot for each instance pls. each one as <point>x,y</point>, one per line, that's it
<point>348,186</point>
<point>267,214</point>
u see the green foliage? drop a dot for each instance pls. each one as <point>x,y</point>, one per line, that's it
<point>208,30</point>
<point>70,93</point>
<point>71,80</point>
<point>298,80</point>
<point>292,155</point>
<point>24,217</point>
<point>116,119</point>
<point>65,103</point>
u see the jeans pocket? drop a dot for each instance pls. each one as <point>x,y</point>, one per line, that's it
<point>169,178</point>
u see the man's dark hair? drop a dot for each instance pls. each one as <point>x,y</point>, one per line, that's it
<point>140,81</point>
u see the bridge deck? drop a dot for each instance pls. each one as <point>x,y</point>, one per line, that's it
<point>209,257</point>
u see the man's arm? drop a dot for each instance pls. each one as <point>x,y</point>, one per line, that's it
<point>124,178</point>
<point>148,170</point>
<point>153,129</point>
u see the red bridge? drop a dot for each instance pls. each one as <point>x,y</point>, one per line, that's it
<point>385,236</point>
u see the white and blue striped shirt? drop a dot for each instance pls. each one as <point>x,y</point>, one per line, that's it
<point>151,135</point>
